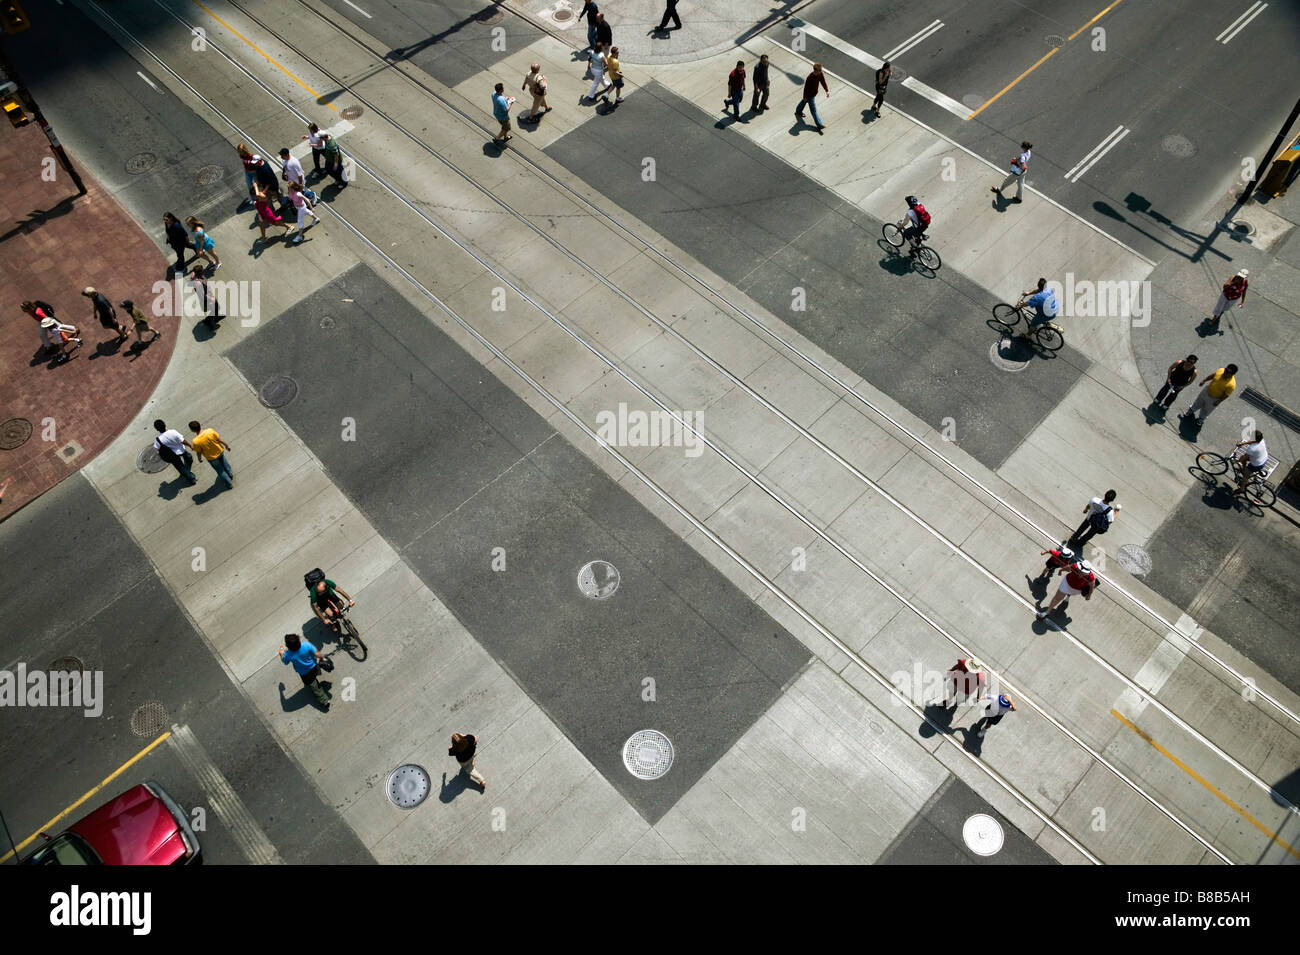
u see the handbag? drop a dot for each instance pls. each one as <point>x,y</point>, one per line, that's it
<point>326,664</point>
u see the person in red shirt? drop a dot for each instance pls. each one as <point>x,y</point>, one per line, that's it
<point>815,79</point>
<point>1057,558</point>
<point>965,678</point>
<point>1078,580</point>
<point>1233,294</point>
<point>735,88</point>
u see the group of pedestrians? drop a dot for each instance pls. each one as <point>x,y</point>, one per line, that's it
<point>966,678</point>
<point>175,449</point>
<point>296,199</point>
<point>61,339</point>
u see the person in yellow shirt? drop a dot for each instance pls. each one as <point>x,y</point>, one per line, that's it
<point>1219,386</point>
<point>208,443</point>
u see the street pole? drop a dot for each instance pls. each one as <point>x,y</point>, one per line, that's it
<point>25,95</point>
<point>1262,168</point>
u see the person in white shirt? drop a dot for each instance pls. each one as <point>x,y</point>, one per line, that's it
<point>1253,456</point>
<point>1099,514</point>
<point>597,70</point>
<point>170,445</point>
<point>1019,166</point>
<point>317,146</point>
<point>292,172</point>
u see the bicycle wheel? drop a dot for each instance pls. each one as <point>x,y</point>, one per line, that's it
<point>1008,316</point>
<point>1050,338</point>
<point>893,235</point>
<point>1261,493</point>
<point>928,258</point>
<point>1211,462</point>
<point>353,632</point>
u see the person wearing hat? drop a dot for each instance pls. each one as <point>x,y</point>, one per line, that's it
<point>141,323</point>
<point>103,310</point>
<point>1078,580</point>
<point>1234,291</point>
<point>996,708</point>
<point>60,337</point>
<point>965,677</point>
<point>1057,559</point>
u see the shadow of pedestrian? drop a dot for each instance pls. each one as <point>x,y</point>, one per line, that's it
<point>106,349</point>
<point>972,742</point>
<point>218,485</point>
<point>798,126</point>
<point>1209,327</point>
<point>938,718</point>
<point>304,697</point>
<point>171,490</point>
<point>869,116</point>
<point>1189,429</point>
<point>450,790</point>
<point>1000,202</point>
<point>1220,496</point>
<point>493,148</point>
<point>1038,587</point>
<point>1155,413</point>
<point>43,356</point>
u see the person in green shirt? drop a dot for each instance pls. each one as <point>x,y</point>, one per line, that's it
<point>324,604</point>
<point>333,159</point>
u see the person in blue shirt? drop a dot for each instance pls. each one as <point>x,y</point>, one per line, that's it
<point>1043,301</point>
<point>306,663</point>
<point>501,110</point>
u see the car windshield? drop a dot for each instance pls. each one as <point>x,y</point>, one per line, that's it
<point>66,849</point>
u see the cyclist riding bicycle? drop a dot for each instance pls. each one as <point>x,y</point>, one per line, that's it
<point>914,223</point>
<point>325,604</point>
<point>1043,301</point>
<point>1253,457</point>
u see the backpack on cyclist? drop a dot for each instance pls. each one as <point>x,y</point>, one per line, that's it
<point>922,216</point>
<point>313,577</point>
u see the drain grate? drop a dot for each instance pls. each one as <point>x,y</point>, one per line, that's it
<point>408,786</point>
<point>598,579</point>
<point>141,163</point>
<point>351,112</point>
<point>14,433</point>
<point>327,322</point>
<point>209,174</point>
<point>1280,413</point>
<point>149,462</point>
<point>983,834</point>
<point>278,391</point>
<point>648,754</point>
<point>1134,559</point>
<point>1178,146</point>
<point>149,720</point>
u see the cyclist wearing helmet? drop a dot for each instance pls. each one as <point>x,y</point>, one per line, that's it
<point>914,223</point>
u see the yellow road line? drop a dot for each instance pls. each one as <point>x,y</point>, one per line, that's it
<point>1041,61</point>
<point>112,776</point>
<point>1196,776</point>
<point>270,59</point>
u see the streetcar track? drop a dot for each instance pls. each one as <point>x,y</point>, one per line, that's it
<point>383,62</point>
<point>879,677</point>
<point>953,547</point>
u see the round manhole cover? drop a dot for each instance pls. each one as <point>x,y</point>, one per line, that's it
<point>1178,145</point>
<point>1241,227</point>
<point>1134,559</point>
<point>67,665</point>
<point>351,112</point>
<point>562,15</point>
<point>149,462</point>
<point>648,754</point>
<point>14,433</point>
<point>278,391</point>
<point>490,15</point>
<point>408,786</point>
<point>209,174</point>
<point>141,163</point>
<point>1010,354</point>
<point>328,322</point>
<point>598,580</point>
<point>149,720</point>
<point>1055,41</point>
<point>983,834</point>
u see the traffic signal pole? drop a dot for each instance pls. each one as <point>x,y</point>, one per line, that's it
<point>25,95</point>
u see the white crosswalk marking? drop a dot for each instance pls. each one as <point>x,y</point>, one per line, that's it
<point>1157,669</point>
<point>223,800</point>
<point>913,40</point>
<point>1090,160</point>
<point>1239,24</point>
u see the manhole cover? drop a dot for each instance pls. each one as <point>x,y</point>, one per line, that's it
<point>1241,227</point>
<point>278,391</point>
<point>408,786</point>
<point>149,720</point>
<point>1010,354</point>
<point>492,15</point>
<point>1134,559</point>
<point>141,162</point>
<point>1055,41</point>
<point>983,834</point>
<point>149,462</point>
<point>648,754</point>
<point>209,174</point>
<point>328,322</point>
<point>1179,146</point>
<point>351,112</point>
<point>598,580</point>
<point>67,665</point>
<point>14,433</point>
<point>562,15</point>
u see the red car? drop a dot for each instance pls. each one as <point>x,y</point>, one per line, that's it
<point>143,826</point>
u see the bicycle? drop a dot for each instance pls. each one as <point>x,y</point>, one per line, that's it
<point>347,631</point>
<point>1258,489</point>
<point>928,258</point>
<point>1048,335</point>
